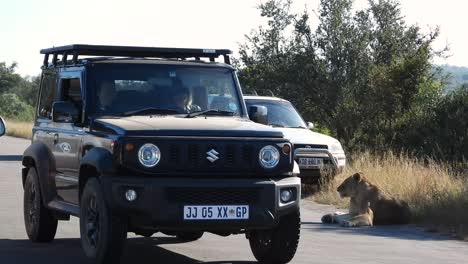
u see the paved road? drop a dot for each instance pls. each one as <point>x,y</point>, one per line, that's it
<point>319,243</point>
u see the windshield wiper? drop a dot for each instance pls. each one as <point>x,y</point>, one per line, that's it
<point>296,127</point>
<point>150,110</point>
<point>211,112</point>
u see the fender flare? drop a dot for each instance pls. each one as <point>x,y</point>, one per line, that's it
<point>39,156</point>
<point>99,158</point>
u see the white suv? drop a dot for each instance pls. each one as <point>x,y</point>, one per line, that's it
<point>314,152</point>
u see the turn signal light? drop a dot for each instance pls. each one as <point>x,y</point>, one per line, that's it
<point>129,147</point>
<point>286,149</point>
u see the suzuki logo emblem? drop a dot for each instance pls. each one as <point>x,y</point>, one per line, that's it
<point>212,155</point>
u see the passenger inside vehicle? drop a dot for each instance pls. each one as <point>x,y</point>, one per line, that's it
<point>106,95</point>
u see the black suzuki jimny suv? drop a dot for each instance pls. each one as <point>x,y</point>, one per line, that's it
<point>145,140</point>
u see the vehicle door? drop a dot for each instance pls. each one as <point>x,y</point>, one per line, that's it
<point>68,138</point>
<point>43,130</point>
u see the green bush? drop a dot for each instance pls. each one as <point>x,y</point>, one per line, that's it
<point>12,107</point>
<point>451,126</point>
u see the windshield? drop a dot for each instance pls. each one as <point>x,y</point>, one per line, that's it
<point>280,113</point>
<point>130,89</point>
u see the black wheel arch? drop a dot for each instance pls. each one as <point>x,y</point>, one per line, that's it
<point>39,156</point>
<point>96,162</point>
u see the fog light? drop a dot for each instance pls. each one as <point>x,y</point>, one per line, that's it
<point>130,195</point>
<point>286,196</point>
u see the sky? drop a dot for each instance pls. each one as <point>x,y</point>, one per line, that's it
<point>26,26</point>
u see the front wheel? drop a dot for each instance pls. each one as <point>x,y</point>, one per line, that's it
<point>277,245</point>
<point>102,234</point>
<point>39,221</point>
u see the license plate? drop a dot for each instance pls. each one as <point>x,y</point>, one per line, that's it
<point>310,162</point>
<point>216,212</point>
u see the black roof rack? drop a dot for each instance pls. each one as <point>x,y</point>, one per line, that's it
<point>128,51</point>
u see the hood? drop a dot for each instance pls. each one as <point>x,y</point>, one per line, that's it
<point>210,126</point>
<point>306,136</point>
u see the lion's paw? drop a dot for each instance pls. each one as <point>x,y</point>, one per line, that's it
<point>348,224</point>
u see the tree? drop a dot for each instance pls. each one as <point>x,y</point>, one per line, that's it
<point>17,94</point>
<point>8,78</point>
<point>12,107</point>
<point>27,89</point>
<point>363,75</point>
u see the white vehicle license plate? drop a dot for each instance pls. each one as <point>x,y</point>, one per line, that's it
<point>216,212</point>
<point>310,162</point>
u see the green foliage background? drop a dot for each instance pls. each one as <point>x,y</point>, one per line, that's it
<point>17,94</point>
<point>365,75</point>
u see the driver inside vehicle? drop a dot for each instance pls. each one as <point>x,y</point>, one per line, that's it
<point>106,95</point>
<point>181,100</point>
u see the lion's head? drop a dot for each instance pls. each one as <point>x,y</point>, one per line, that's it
<point>349,187</point>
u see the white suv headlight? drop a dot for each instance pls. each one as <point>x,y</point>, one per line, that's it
<point>336,147</point>
<point>269,157</point>
<point>149,155</point>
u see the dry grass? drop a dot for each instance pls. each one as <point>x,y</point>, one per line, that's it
<point>438,197</point>
<point>19,129</point>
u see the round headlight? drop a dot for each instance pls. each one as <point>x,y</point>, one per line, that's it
<point>149,155</point>
<point>269,157</point>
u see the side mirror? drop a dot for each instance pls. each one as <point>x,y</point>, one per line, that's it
<point>64,112</point>
<point>310,125</point>
<point>259,114</point>
<point>2,127</point>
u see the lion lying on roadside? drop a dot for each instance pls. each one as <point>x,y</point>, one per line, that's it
<point>360,214</point>
<point>368,205</point>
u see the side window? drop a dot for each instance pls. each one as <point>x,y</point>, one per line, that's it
<point>71,91</point>
<point>48,91</point>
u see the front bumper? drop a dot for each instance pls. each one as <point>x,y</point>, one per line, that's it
<point>160,201</point>
<point>333,164</point>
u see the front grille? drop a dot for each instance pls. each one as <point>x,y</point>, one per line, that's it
<point>247,153</point>
<point>314,146</point>
<point>187,156</point>
<point>230,154</point>
<point>193,153</point>
<point>214,196</point>
<point>193,157</point>
<point>174,153</point>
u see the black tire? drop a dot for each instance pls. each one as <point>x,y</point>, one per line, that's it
<point>103,235</point>
<point>189,236</point>
<point>278,245</point>
<point>40,223</point>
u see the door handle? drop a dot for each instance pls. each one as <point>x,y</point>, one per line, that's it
<point>56,138</point>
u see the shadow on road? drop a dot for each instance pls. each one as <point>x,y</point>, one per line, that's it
<point>11,157</point>
<point>398,232</point>
<point>137,250</point>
